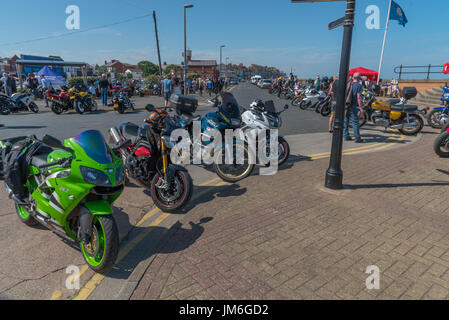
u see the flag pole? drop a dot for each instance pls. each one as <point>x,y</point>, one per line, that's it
<point>383,45</point>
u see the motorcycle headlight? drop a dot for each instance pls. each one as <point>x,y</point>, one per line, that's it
<point>94,176</point>
<point>235,122</point>
<point>119,176</point>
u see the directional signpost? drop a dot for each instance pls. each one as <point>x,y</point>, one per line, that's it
<point>334,174</point>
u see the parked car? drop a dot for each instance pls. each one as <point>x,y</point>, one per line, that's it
<point>233,81</point>
<point>265,84</point>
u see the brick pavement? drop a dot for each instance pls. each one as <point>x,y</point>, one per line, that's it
<point>286,237</point>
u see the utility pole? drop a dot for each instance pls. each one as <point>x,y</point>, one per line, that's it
<point>186,6</point>
<point>157,43</point>
<point>221,55</point>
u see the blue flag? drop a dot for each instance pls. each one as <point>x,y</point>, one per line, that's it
<point>396,13</point>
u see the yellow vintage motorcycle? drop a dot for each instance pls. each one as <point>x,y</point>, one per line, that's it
<point>394,113</point>
<point>84,100</point>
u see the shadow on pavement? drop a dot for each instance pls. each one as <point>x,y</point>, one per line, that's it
<point>25,127</point>
<point>158,240</point>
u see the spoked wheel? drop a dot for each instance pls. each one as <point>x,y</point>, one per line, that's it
<point>239,168</point>
<point>433,119</point>
<point>24,216</point>
<point>415,129</point>
<point>102,250</point>
<point>174,195</point>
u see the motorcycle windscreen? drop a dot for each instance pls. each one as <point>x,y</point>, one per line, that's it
<point>230,105</point>
<point>94,145</point>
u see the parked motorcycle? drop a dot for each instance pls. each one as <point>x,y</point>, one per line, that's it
<point>261,117</point>
<point>70,188</point>
<point>439,116</point>
<point>16,103</point>
<point>147,160</point>
<point>311,98</point>
<point>61,100</point>
<point>326,106</point>
<point>226,117</point>
<point>399,116</point>
<point>121,102</point>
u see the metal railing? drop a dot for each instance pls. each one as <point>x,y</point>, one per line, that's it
<point>427,70</point>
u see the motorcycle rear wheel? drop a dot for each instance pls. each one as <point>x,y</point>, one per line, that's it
<point>4,110</point>
<point>411,132</point>
<point>178,195</point>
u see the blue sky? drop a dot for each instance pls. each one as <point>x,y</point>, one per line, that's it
<point>265,32</point>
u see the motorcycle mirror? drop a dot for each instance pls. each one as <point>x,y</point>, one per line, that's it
<point>55,143</point>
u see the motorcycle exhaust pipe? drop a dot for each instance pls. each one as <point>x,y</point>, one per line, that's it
<point>13,196</point>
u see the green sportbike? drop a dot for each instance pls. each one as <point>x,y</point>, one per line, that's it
<point>70,188</point>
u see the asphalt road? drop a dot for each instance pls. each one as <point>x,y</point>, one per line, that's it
<point>295,121</point>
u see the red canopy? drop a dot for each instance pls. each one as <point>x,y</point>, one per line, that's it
<point>370,74</point>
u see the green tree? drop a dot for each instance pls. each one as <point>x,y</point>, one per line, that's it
<point>102,69</point>
<point>171,67</point>
<point>148,68</point>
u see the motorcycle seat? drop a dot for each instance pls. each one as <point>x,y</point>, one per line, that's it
<point>404,108</point>
<point>393,101</point>
<point>40,158</point>
<point>130,130</point>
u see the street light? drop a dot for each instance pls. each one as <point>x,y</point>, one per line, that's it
<point>186,6</point>
<point>221,47</point>
<point>227,67</point>
<point>334,174</point>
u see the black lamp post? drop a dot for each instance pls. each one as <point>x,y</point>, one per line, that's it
<point>186,6</point>
<point>334,174</point>
<point>221,55</point>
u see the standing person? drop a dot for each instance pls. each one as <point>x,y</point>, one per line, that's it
<point>177,87</point>
<point>3,87</point>
<point>46,86</point>
<point>333,91</point>
<point>103,86</point>
<point>9,84</point>
<point>167,89</point>
<point>209,86</point>
<point>201,86</point>
<point>317,83</point>
<point>353,103</point>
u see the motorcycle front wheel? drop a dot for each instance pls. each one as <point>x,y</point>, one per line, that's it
<point>296,102</point>
<point>56,108</point>
<point>433,119</point>
<point>441,145</point>
<point>176,195</point>
<point>233,172</point>
<point>79,107</point>
<point>326,110</point>
<point>33,107</point>
<point>102,250</point>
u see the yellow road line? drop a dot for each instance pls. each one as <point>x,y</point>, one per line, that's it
<point>90,286</point>
<point>56,295</point>
<point>147,216</point>
<point>208,182</point>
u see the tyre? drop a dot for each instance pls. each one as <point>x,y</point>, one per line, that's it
<point>121,109</point>
<point>441,145</point>
<point>4,110</point>
<point>79,107</point>
<point>296,102</point>
<point>33,107</point>
<point>234,172</point>
<point>303,105</point>
<point>176,196</point>
<point>24,216</point>
<point>326,110</point>
<point>102,250</point>
<point>318,107</point>
<point>94,105</point>
<point>433,119</point>
<point>56,108</point>
<point>417,129</point>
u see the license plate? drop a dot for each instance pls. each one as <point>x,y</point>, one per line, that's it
<point>116,105</point>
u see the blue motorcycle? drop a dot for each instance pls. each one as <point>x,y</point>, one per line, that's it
<point>226,117</point>
<point>439,116</point>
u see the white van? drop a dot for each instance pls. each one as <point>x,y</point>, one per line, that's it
<point>255,79</point>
